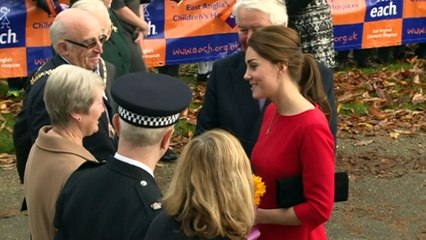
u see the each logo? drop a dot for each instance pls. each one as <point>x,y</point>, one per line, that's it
<point>4,21</point>
<point>9,36</point>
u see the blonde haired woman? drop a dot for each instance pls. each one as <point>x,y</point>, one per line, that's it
<point>211,195</point>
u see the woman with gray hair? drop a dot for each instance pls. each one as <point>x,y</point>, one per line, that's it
<point>73,98</point>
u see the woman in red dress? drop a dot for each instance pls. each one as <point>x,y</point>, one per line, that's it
<point>294,138</point>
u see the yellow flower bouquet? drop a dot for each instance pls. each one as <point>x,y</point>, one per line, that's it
<point>259,190</point>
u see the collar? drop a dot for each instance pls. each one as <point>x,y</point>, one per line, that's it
<point>134,163</point>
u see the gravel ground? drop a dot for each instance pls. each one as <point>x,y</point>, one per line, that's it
<point>387,190</point>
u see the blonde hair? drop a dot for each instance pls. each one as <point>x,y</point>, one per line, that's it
<point>70,89</point>
<point>212,191</point>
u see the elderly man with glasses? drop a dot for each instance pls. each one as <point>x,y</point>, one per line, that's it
<point>77,39</point>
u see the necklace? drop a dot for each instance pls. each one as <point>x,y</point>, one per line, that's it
<point>272,122</point>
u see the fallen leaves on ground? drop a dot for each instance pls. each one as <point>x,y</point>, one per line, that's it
<point>7,161</point>
<point>8,213</point>
<point>394,101</point>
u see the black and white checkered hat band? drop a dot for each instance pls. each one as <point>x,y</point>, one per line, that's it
<point>145,121</point>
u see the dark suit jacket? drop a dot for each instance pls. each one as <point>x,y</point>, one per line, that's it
<point>228,102</point>
<point>34,115</point>
<point>113,201</point>
<point>165,227</point>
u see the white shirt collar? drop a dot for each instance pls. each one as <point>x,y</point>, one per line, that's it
<point>134,163</point>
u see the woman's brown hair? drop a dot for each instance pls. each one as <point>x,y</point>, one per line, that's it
<point>280,44</point>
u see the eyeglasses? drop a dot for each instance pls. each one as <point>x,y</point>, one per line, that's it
<point>90,43</point>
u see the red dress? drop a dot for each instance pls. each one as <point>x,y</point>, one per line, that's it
<point>297,145</point>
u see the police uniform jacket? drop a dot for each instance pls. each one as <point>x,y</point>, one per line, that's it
<point>34,115</point>
<point>50,163</point>
<point>114,201</point>
<point>228,102</point>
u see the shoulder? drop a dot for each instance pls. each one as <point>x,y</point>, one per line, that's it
<point>42,72</point>
<point>326,73</point>
<point>327,76</point>
<point>314,125</point>
<point>164,227</point>
<point>107,70</point>
<point>81,176</point>
<point>231,61</point>
<point>324,69</point>
<point>313,118</point>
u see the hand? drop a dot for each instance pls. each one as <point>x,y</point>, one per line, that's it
<point>139,37</point>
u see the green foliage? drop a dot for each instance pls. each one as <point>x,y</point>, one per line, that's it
<point>354,108</point>
<point>6,143</point>
<point>184,128</point>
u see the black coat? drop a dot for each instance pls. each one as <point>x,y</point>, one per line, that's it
<point>228,102</point>
<point>33,116</point>
<point>165,227</point>
<point>114,201</point>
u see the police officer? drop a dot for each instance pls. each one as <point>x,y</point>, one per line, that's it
<point>118,200</point>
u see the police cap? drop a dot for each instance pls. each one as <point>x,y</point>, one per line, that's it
<point>150,100</point>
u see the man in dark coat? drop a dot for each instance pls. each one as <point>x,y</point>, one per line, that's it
<point>78,43</point>
<point>119,199</point>
<point>228,102</point>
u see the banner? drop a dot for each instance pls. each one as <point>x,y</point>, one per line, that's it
<point>24,37</point>
<point>192,31</point>
<point>377,23</point>
<point>195,30</point>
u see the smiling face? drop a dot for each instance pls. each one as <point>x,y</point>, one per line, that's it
<point>261,74</point>
<point>249,21</point>
<point>78,55</point>
<point>90,121</point>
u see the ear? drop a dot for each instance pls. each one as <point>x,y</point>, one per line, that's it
<point>76,116</point>
<point>165,142</point>
<point>116,124</point>
<point>282,67</point>
<point>63,48</point>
